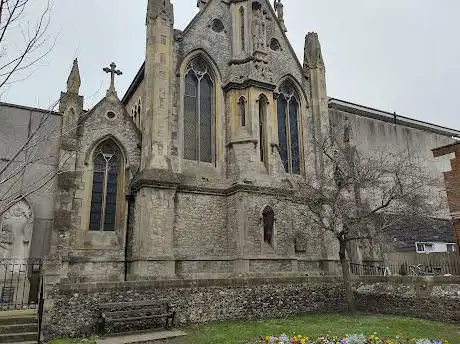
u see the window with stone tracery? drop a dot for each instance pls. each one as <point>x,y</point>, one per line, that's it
<point>288,128</point>
<point>107,163</point>
<point>198,112</point>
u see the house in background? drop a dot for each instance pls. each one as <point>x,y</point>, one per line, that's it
<point>430,245</point>
<point>432,237</point>
<point>434,247</point>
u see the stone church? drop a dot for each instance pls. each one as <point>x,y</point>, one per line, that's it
<point>192,173</point>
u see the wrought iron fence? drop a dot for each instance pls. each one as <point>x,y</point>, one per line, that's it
<point>20,281</point>
<point>405,269</point>
<point>366,270</point>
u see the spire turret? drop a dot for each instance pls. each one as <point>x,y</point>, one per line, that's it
<point>313,58</point>
<point>157,7</point>
<point>315,73</point>
<point>159,71</point>
<point>74,81</point>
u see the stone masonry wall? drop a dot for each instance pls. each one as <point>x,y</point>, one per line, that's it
<point>434,298</point>
<point>71,309</point>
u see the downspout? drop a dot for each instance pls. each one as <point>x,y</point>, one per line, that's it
<point>129,199</point>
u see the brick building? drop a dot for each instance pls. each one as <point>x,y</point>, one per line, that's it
<point>452,181</point>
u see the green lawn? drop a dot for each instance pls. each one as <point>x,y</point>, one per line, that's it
<point>314,325</point>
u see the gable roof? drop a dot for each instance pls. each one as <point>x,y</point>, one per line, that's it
<point>403,237</point>
<point>134,85</point>
<point>84,117</point>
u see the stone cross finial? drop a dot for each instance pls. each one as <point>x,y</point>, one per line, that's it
<point>113,71</point>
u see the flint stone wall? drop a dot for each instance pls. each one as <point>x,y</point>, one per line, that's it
<point>433,298</point>
<point>72,309</point>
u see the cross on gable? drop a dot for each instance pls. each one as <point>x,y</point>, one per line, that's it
<point>113,71</point>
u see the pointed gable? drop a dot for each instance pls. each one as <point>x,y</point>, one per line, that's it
<point>110,118</point>
<point>212,31</point>
<point>202,33</point>
<point>281,54</point>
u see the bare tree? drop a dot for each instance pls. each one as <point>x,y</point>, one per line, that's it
<point>23,41</point>
<point>359,196</point>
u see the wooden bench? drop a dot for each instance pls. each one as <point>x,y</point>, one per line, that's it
<point>125,313</point>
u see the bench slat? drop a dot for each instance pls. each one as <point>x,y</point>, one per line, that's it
<point>133,304</point>
<point>138,318</point>
<point>125,312</point>
<point>115,314</point>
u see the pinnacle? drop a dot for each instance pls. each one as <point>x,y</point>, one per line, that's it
<point>74,80</point>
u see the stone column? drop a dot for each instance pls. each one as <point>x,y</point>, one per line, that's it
<point>152,255</point>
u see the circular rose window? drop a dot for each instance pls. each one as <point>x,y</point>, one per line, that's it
<point>111,115</point>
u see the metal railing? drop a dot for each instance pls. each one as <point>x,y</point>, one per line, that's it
<point>405,269</point>
<point>366,270</point>
<point>20,281</point>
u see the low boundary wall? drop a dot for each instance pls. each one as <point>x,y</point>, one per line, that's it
<point>71,309</point>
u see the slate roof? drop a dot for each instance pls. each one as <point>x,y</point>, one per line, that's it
<point>404,235</point>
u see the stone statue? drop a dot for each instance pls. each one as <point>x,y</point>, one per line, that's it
<point>201,3</point>
<point>16,235</point>
<point>279,9</point>
<point>258,29</point>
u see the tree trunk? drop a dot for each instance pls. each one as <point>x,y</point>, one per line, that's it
<point>346,273</point>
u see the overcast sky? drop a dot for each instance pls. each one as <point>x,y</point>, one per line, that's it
<point>394,55</point>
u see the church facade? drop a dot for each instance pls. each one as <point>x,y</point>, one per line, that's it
<point>193,173</point>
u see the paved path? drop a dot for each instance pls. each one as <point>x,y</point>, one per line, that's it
<point>142,337</point>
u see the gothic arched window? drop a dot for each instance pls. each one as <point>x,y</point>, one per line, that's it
<point>242,108</point>
<point>288,128</point>
<point>268,219</point>
<point>198,112</point>
<point>108,164</point>
<point>263,102</point>
<point>242,30</point>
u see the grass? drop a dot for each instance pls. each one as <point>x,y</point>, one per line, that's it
<point>315,325</point>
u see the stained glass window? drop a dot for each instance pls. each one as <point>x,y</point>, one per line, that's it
<point>288,129</point>
<point>104,196</point>
<point>242,106</point>
<point>282,131</point>
<point>268,218</point>
<point>198,113</point>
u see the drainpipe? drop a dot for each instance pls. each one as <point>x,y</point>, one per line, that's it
<point>129,200</point>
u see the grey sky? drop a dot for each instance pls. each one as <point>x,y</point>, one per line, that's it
<point>392,55</point>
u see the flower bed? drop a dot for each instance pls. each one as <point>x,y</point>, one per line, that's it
<point>351,339</point>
